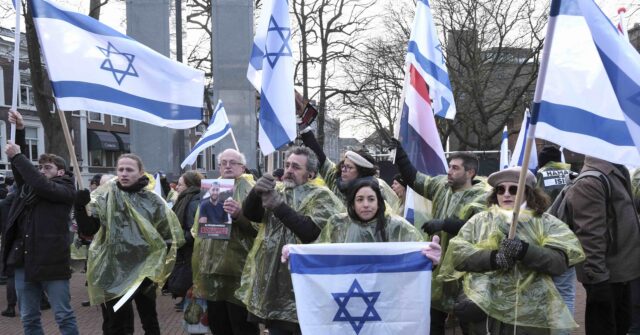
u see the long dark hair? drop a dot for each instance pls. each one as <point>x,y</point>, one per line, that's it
<point>351,209</point>
<point>536,199</point>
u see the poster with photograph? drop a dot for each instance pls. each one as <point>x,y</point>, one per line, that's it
<point>214,222</point>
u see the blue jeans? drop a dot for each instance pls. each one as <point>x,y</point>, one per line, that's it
<point>566,286</point>
<point>29,295</point>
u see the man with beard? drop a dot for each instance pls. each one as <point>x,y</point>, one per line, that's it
<point>293,211</point>
<point>455,198</point>
<point>218,263</point>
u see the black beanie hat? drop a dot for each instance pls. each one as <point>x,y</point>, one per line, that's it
<point>548,154</point>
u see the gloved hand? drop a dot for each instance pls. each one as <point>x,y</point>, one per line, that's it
<point>394,144</point>
<point>500,261</point>
<point>265,184</point>
<point>83,197</point>
<point>514,248</point>
<point>600,292</point>
<point>433,226</point>
<point>271,199</point>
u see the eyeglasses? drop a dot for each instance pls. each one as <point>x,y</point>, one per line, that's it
<point>513,189</point>
<point>229,163</point>
<point>347,167</point>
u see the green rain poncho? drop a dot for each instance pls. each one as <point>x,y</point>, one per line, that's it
<point>496,292</point>
<point>329,172</point>
<point>447,203</point>
<point>132,242</point>
<point>217,264</point>
<point>343,229</point>
<point>266,287</point>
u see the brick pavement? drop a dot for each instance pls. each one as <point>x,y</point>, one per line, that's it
<point>90,318</point>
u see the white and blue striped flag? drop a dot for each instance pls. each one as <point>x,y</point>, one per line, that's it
<point>518,151</point>
<point>361,288</point>
<point>219,127</point>
<point>590,94</point>
<point>270,71</point>
<point>94,67</point>
<point>504,150</point>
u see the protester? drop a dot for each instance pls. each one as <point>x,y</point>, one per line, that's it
<point>355,165</point>
<point>95,182</point>
<point>218,264</point>
<point>455,198</point>
<point>481,254</point>
<point>12,299</point>
<point>400,187</point>
<point>135,243</point>
<point>185,208</point>
<point>606,223</point>
<point>37,234</point>
<point>291,212</point>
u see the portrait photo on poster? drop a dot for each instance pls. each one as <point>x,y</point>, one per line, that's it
<point>213,221</point>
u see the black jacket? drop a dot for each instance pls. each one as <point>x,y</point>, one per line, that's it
<point>45,222</point>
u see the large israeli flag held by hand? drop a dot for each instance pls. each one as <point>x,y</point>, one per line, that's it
<point>271,73</point>
<point>361,288</point>
<point>93,67</point>
<point>219,127</point>
<point>590,100</point>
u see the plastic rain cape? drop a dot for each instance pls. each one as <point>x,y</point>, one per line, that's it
<point>496,292</point>
<point>266,287</point>
<point>329,172</point>
<point>447,203</point>
<point>343,229</point>
<point>217,264</point>
<point>131,243</point>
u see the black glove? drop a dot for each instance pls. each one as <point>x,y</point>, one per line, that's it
<point>83,197</point>
<point>271,199</point>
<point>500,261</point>
<point>514,248</point>
<point>403,163</point>
<point>265,184</point>
<point>433,226</point>
<point>600,292</point>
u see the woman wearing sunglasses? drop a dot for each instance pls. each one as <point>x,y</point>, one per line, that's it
<point>507,282</point>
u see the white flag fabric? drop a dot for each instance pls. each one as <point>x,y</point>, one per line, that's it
<point>94,67</point>
<point>425,51</point>
<point>157,187</point>
<point>361,288</point>
<point>518,151</point>
<point>270,71</point>
<point>504,150</point>
<point>590,97</point>
<point>219,127</point>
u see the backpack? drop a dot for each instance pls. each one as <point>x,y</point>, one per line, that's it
<point>559,206</point>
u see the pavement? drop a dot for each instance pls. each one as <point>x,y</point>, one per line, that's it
<point>89,319</point>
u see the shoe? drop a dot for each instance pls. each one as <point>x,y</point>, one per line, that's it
<point>9,312</point>
<point>44,305</point>
<point>3,280</point>
<point>85,304</point>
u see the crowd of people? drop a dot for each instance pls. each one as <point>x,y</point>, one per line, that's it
<point>139,243</point>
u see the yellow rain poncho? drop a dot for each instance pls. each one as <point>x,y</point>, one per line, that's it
<point>496,292</point>
<point>217,264</point>
<point>132,242</point>
<point>266,287</point>
<point>343,229</point>
<point>329,172</point>
<point>446,203</point>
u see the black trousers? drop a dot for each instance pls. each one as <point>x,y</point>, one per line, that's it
<point>12,298</point>
<point>438,320</point>
<point>226,318</point>
<point>121,322</point>
<point>608,316</point>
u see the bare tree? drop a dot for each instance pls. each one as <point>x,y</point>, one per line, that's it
<point>199,22</point>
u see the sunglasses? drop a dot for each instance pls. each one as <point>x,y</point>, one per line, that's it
<point>513,189</point>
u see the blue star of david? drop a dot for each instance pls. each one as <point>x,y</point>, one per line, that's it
<point>356,291</point>
<point>118,74</point>
<point>279,35</point>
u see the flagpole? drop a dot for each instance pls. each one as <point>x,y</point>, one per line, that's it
<point>72,152</point>
<point>16,70</point>
<point>233,137</point>
<point>542,75</point>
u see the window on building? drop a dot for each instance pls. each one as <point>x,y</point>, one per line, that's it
<point>96,117</point>
<point>101,158</point>
<point>26,97</point>
<point>31,137</point>
<point>118,120</point>
<point>200,161</point>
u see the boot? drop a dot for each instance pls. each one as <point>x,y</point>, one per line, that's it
<point>9,312</point>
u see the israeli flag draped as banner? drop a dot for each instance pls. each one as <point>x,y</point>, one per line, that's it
<point>590,99</point>
<point>271,73</point>
<point>504,150</point>
<point>93,67</point>
<point>361,288</point>
<point>518,151</point>
<point>219,127</point>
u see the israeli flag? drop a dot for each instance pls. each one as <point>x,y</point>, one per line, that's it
<point>93,67</point>
<point>425,52</point>
<point>504,150</point>
<point>219,127</point>
<point>518,151</point>
<point>271,73</point>
<point>589,99</point>
<point>361,288</point>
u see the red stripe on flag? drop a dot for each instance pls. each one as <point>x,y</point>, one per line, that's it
<point>419,84</point>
